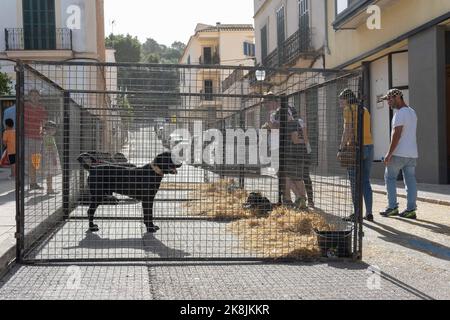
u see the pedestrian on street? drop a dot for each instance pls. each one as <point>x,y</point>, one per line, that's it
<point>51,166</point>
<point>349,103</point>
<point>403,154</point>
<point>297,158</point>
<point>9,139</point>
<point>35,116</point>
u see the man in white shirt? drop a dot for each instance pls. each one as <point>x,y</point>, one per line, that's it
<point>402,155</point>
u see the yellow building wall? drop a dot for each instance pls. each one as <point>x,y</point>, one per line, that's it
<point>398,18</point>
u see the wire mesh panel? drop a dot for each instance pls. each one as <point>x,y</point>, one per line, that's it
<point>142,162</point>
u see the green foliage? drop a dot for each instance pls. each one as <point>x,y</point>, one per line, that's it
<point>5,84</point>
<point>150,80</point>
<point>152,58</point>
<point>128,48</point>
<point>153,52</point>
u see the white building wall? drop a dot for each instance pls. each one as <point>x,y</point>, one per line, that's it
<point>231,46</point>
<point>267,16</point>
<point>317,23</point>
<point>84,38</point>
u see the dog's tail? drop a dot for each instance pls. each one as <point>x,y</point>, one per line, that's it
<point>86,160</point>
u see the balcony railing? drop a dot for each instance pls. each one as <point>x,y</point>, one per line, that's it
<point>215,59</point>
<point>53,39</point>
<point>295,46</point>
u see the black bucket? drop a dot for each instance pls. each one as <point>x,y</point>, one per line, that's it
<point>335,244</point>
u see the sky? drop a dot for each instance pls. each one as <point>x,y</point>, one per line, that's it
<point>168,21</point>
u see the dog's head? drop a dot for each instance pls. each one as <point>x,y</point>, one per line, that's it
<point>166,163</point>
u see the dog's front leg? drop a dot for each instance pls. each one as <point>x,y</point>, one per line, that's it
<point>148,216</point>
<point>95,202</point>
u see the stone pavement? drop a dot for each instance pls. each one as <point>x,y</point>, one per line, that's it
<point>7,218</point>
<point>408,259</point>
<point>431,193</point>
<point>412,256</point>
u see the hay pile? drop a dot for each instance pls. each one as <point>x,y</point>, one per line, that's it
<point>218,200</point>
<point>285,233</point>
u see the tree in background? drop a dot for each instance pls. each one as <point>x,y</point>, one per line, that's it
<point>5,84</point>
<point>128,48</point>
<point>161,85</point>
<point>153,52</point>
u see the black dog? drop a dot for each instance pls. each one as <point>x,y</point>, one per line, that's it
<point>140,183</point>
<point>257,202</point>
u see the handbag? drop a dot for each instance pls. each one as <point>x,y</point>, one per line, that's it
<point>348,156</point>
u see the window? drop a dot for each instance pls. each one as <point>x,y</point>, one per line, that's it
<point>39,24</point>
<point>341,5</point>
<point>249,49</point>
<point>280,27</point>
<point>208,90</point>
<point>303,9</point>
<point>207,55</point>
<point>189,60</point>
<point>264,42</point>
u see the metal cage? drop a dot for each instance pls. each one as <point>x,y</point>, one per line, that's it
<point>259,176</point>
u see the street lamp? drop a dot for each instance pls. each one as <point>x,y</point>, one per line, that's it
<point>260,75</point>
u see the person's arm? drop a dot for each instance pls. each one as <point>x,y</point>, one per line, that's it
<point>394,143</point>
<point>305,134</point>
<point>347,135</point>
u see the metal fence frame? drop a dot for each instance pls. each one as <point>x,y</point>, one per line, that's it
<point>69,203</point>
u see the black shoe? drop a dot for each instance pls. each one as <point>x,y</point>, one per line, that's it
<point>152,229</point>
<point>93,228</point>
<point>369,217</point>
<point>390,212</point>
<point>409,214</point>
<point>289,204</point>
<point>35,186</point>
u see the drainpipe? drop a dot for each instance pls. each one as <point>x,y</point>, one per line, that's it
<point>327,48</point>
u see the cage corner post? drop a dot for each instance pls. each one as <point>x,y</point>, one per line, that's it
<point>66,156</point>
<point>20,171</point>
<point>364,91</point>
<point>282,175</point>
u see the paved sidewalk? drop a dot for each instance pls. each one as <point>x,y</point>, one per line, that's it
<point>7,219</point>
<point>431,193</point>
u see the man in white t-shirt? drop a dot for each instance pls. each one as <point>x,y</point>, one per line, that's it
<point>402,155</point>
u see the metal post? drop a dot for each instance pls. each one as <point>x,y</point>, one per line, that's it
<point>242,126</point>
<point>283,139</point>
<point>20,169</point>
<point>66,156</point>
<point>358,234</point>
<point>6,40</point>
<point>241,167</point>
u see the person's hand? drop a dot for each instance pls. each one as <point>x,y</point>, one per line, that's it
<point>266,126</point>
<point>387,159</point>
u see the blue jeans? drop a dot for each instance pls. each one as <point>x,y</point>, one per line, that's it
<point>408,167</point>
<point>368,156</point>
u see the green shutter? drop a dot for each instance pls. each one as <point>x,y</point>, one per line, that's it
<point>39,24</point>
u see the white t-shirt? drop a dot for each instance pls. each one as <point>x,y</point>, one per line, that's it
<point>407,146</point>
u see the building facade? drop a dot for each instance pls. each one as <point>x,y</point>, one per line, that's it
<point>400,44</point>
<point>219,45</point>
<point>290,33</point>
<point>61,31</point>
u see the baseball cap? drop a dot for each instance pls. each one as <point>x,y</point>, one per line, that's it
<point>392,93</point>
